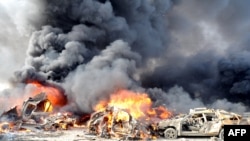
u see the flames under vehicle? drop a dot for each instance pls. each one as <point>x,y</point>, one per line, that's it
<point>35,107</point>
<point>115,123</point>
<point>198,122</point>
<point>35,114</point>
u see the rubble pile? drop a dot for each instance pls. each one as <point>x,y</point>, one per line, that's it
<point>35,114</point>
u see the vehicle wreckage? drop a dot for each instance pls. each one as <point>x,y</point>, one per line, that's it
<point>115,123</point>
<point>198,122</point>
<point>36,113</point>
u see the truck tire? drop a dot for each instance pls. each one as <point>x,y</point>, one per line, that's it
<point>170,133</point>
<point>221,134</point>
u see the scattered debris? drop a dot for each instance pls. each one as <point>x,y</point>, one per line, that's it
<point>8,119</point>
<point>36,114</point>
<point>111,122</point>
<point>10,115</point>
<point>59,121</point>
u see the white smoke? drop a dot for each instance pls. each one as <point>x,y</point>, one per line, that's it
<point>18,20</point>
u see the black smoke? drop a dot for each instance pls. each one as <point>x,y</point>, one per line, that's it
<point>91,48</point>
<point>179,52</point>
<point>208,54</point>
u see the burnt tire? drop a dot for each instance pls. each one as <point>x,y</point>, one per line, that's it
<point>170,133</point>
<point>221,134</point>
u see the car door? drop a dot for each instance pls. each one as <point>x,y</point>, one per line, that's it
<point>211,125</point>
<point>192,124</point>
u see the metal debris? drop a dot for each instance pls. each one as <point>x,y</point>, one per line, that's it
<point>199,122</point>
<point>114,123</point>
<point>10,115</point>
<point>36,114</point>
<point>35,107</point>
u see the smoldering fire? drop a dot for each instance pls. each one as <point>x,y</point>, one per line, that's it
<point>90,48</point>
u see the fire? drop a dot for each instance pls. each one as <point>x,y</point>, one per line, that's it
<point>5,127</point>
<point>163,112</point>
<point>122,116</point>
<point>48,107</point>
<point>53,94</point>
<point>139,105</point>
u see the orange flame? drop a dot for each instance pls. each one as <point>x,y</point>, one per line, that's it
<point>6,127</point>
<point>123,116</point>
<point>48,107</point>
<point>139,105</point>
<point>2,129</point>
<point>53,94</point>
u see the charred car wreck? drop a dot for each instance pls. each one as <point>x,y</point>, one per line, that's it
<point>199,122</point>
<point>36,114</point>
<point>35,107</point>
<point>111,122</point>
<point>116,123</point>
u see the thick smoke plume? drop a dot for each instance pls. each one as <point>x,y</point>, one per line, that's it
<point>179,52</point>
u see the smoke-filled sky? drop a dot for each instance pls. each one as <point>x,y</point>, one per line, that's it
<point>183,53</point>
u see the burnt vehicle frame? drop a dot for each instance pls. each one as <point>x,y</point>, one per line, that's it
<point>198,122</point>
<point>35,107</point>
<point>108,124</point>
<point>37,114</point>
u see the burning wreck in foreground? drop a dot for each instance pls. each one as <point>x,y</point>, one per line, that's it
<point>127,119</point>
<point>36,113</point>
<point>113,121</point>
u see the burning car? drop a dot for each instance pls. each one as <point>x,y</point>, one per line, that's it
<point>198,122</point>
<point>126,114</point>
<point>110,121</point>
<point>113,122</point>
<point>35,107</point>
<point>31,113</point>
<point>37,113</point>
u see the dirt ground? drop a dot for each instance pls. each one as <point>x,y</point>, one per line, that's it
<point>40,135</point>
<point>78,134</point>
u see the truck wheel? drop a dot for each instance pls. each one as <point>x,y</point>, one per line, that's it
<point>221,134</point>
<point>170,133</point>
